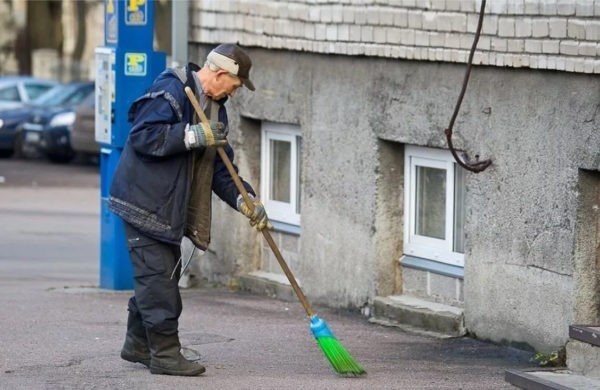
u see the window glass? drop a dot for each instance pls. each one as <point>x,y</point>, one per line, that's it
<point>68,94</point>
<point>431,202</point>
<point>53,96</point>
<point>280,170</point>
<point>78,95</point>
<point>10,94</point>
<point>35,90</point>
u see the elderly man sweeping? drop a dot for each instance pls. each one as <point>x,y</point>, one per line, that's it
<point>162,190</point>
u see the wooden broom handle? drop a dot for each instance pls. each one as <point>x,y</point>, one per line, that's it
<point>248,200</point>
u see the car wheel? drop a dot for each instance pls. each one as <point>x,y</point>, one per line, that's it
<point>23,149</point>
<point>18,145</point>
<point>4,153</point>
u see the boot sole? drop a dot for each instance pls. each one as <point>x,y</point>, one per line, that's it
<point>135,359</point>
<point>164,371</point>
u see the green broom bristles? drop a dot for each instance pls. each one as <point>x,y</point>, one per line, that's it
<point>337,355</point>
<point>339,358</point>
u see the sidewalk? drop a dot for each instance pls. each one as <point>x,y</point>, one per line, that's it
<point>61,332</point>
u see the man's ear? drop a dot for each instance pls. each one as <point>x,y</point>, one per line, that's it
<point>221,71</point>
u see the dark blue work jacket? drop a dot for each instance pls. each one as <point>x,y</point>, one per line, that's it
<point>152,183</point>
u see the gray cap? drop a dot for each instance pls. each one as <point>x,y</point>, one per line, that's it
<point>233,59</point>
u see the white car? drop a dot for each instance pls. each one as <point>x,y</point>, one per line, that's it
<point>16,90</point>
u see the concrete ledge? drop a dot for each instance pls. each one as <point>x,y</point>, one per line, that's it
<point>272,285</point>
<point>587,334</point>
<point>413,314</point>
<point>557,379</point>
<point>584,358</point>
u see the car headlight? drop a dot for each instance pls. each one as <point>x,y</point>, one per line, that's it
<point>64,119</point>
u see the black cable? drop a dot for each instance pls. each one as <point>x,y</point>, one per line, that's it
<point>477,166</point>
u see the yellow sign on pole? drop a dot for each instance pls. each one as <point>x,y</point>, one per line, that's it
<point>135,64</point>
<point>136,11</point>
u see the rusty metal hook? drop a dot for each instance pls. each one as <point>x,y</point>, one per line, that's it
<point>477,166</point>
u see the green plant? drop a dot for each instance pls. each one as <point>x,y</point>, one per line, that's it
<point>552,359</point>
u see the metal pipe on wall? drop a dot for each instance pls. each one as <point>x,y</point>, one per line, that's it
<point>179,32</point>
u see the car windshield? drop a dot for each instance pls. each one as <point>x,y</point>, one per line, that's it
<point>63,94</point>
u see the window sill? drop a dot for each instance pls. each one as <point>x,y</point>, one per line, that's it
<point>282,227</point>
<point>432,266</point>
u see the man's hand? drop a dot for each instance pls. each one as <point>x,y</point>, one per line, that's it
<point>258,216</point>
<point>197,136</point>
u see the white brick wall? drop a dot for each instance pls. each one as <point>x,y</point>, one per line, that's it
<point>543,34</point>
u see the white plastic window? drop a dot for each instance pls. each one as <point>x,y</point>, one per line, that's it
<point>280,171</point>
<point>434,205</point>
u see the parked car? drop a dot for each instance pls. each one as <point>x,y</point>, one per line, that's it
<point>48,131</point>
<point>11,121</point>
<point>83,135</point>
<point>18,90</point>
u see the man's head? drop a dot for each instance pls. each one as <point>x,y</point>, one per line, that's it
<point>229,68</point>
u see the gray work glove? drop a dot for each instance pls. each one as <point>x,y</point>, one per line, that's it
<point>258,216</point>
<point>197,136</point>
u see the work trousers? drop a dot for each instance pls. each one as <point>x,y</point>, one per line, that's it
<point>156,295</point>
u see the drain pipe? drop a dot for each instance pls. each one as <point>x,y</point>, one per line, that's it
<point>179,32</point>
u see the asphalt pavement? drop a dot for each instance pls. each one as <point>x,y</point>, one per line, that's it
<point>60,331</point>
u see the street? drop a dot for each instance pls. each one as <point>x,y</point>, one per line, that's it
<point>60,331</point>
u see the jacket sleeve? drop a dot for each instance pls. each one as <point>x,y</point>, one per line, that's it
<point>157,125</point>
<point>222,183</point>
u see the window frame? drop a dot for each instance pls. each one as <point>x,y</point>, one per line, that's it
<point>440,250</point>
<point>281,211</point>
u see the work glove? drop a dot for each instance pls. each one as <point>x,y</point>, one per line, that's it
<point>200,135</point>
<point>258,216</point>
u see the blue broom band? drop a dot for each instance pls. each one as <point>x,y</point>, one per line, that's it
<point>319,328</point>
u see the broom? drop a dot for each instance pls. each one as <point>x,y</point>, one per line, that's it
<point>334,351</point>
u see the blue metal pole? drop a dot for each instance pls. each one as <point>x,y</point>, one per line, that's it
<point>125,67</point>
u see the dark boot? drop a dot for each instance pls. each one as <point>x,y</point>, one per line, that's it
<point>167,358</point>
<point>135,349</point>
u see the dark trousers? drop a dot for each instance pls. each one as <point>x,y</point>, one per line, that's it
<point>156,295</point>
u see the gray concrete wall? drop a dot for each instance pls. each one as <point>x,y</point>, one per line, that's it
<point>587,256</point>
<point>538,127</point>
<point>522,213</point>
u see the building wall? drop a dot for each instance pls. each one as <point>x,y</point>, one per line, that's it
<point>539,129</point>
<point>538,34</point>
<point>364,78</point>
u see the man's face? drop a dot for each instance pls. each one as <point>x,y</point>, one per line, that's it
<point>225,84</point>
